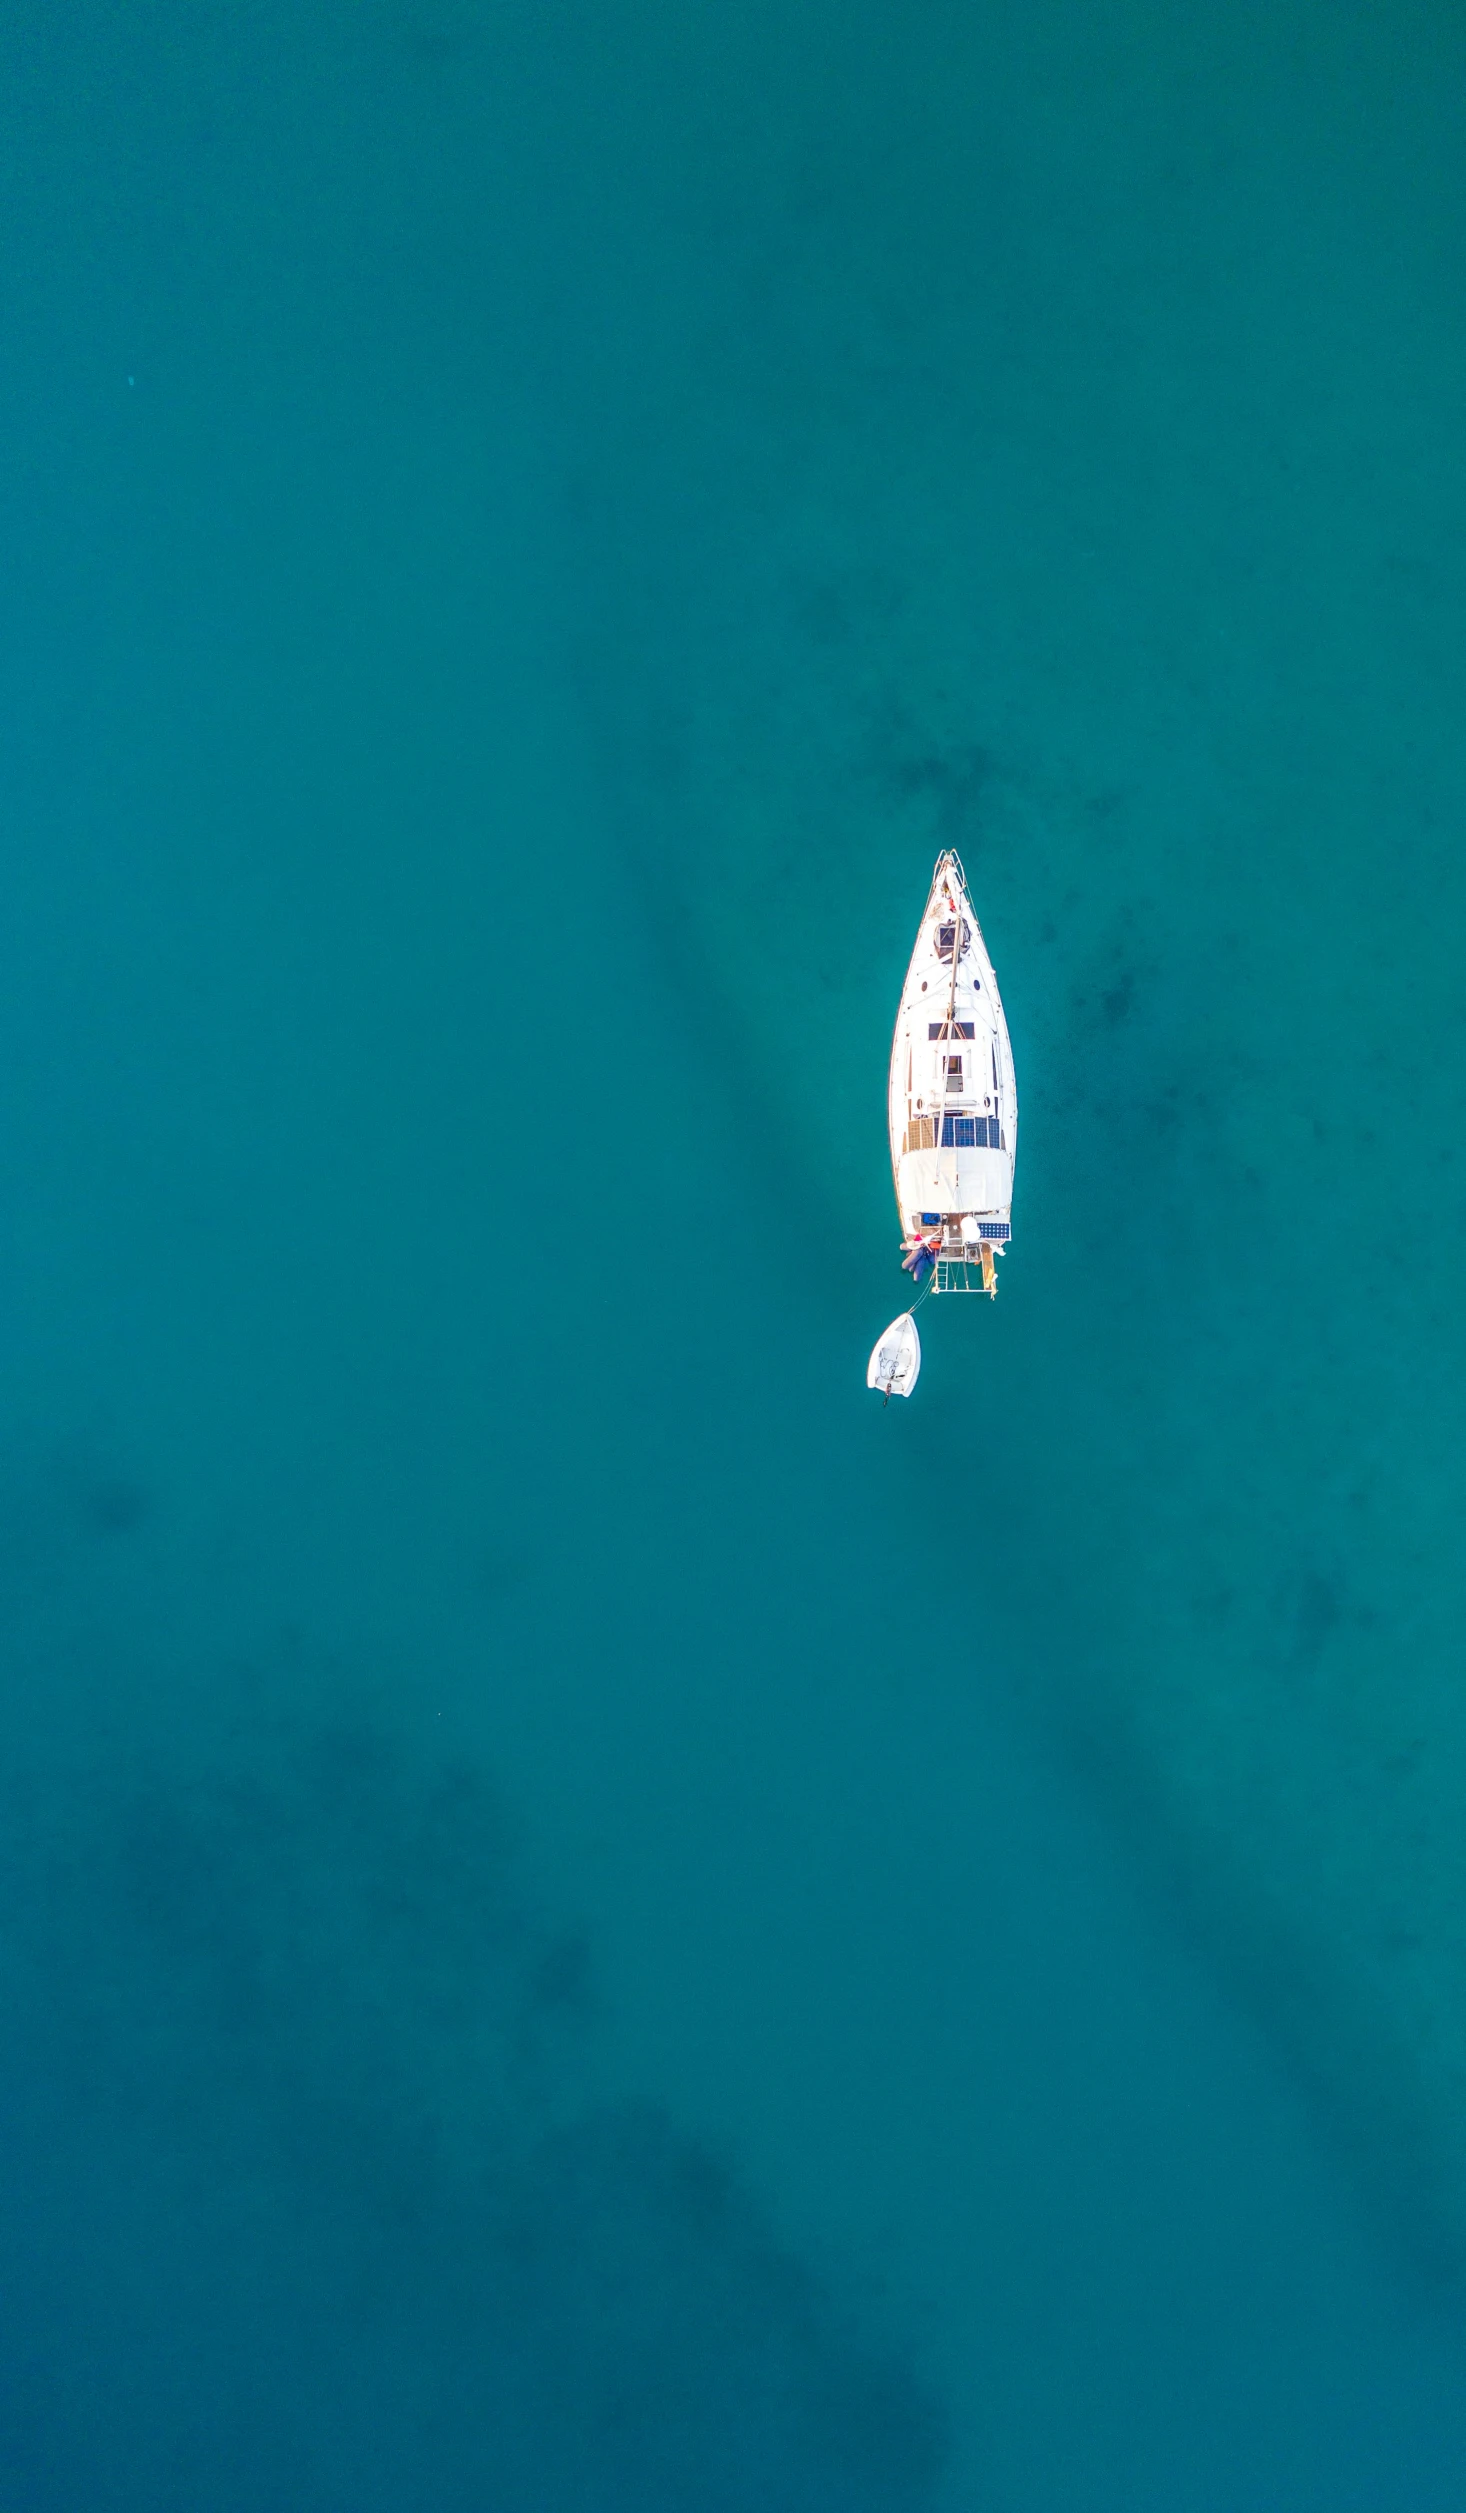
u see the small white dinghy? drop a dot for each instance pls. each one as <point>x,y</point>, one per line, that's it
<point>896,1361</point>
<point>952,1107</point>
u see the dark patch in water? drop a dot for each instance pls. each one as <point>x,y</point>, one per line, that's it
<point>1313,1603</point>
<point>1117,998</point>
<point>956,782</point>
<point>562,1981</point>
<point>1317,1611</point>
<point>699,2359</point>
<point>304,1978</point>
<point>114,1507</point>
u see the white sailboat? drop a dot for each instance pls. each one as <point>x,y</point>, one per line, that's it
<point>953,1114</point>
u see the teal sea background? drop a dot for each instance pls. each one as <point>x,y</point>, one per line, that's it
<point>587,1919</point>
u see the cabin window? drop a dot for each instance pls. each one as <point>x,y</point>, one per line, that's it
<point>946,935</point>
<point>953,1065</point>
<point>949,1029</point>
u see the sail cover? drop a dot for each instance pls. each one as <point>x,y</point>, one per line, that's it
<point>896,1359</point>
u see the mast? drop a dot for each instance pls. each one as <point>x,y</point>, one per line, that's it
<point>956,954</point>
<point>956,907</point>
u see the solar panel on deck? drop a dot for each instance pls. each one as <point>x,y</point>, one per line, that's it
<point>969,1133</point>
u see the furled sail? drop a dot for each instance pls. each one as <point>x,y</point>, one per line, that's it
<point>897,1358</point>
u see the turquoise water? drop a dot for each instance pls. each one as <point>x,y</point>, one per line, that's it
<point>587,1919</point>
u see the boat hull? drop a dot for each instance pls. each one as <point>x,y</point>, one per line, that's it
<point>953,1097</point>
